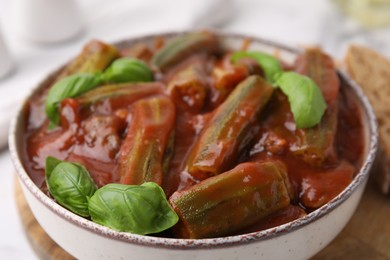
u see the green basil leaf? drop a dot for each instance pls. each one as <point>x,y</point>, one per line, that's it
<point>68,87</point>
<point>51,163</point>
<point>269,64</point>
<point>140,209</point>
<point>70,185</point>
<point>306,100</point>
<point>128,70</point>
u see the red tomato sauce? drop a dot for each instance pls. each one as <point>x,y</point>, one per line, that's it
<point>93,135</point>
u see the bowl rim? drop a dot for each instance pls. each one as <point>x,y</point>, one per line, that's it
<point>220,242</point>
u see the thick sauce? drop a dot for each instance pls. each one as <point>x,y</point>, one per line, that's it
<point>94,134</point>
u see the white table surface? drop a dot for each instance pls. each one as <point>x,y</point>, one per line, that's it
<point>301,22</point>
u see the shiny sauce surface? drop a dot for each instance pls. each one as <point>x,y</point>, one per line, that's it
<point>93,135</point>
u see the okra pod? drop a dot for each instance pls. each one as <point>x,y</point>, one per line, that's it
<point>320,67</point>
<point>283,172</point>
<point>226,75</point>
<point>181,47</point>
<point>227,133</point>
<point>316,145</point>
<point>253,190</point>
<point>128,91</point>
<point>188,87</point>
<point>141,157</point>
<point>139,51</point>
<point>227,78</point>
<point>95,57</point>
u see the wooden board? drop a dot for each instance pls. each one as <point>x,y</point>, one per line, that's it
<point>367,235</point>
<point>42,244</point>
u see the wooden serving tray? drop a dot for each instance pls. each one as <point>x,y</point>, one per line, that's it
<point>42,244</point>
<point>366,236</point>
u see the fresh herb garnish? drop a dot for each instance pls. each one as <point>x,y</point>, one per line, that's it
<point>269,64</point>
<point>127,70</point>
<point>70,184</point>
<point>121,70</point>
<point>306,100</point>
<point>305,97</point>
<point>140,209</point>
<point>68,87</point>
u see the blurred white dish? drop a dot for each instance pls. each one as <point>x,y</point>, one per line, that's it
<point>48,21</point>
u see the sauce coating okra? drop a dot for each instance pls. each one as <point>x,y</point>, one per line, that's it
<point>229,137</point>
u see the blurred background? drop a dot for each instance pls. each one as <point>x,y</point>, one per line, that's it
<point>37,36</point>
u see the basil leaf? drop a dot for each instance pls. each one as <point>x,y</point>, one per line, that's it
<point>306,100</point>
<point>51,163</point>
<point>68,87</point>
<point>70,185</point>
<point>128,70</point>
<point>140,209</point>
<point>269,64</point>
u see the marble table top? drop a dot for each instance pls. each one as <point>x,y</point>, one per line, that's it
<point>297,23</point>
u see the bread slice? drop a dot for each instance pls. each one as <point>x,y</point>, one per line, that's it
<point>372,72</point>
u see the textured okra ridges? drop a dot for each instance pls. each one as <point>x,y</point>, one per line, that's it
<point>95,57</point>
<point>316,145</point>
<point>189,86</point>
<point>232,200</point>
<point>129,92</point>
<point>227,132</point>
<point>183,46</point>
<point>143,152</point>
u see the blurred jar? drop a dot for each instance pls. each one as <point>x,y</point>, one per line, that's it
<point>369,13</point>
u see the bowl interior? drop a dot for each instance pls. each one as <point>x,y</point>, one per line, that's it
<point>232,41</point>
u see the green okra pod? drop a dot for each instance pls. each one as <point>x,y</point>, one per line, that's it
<point>182,46</point>
<point>316,145</point>
<point>188,87</point>
<point>253,190</point>
<point>320,67</point>
<point>148,136</point>
<point>227,132</point>
<point>95,57</point>
<point>129,91</point>
<point>226,78</point>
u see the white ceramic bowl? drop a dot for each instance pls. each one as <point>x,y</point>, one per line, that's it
<point>299,239</point>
